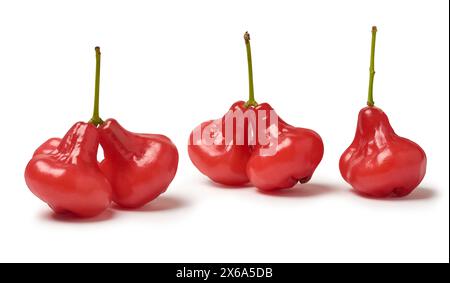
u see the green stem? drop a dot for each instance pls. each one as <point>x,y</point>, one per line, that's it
<point>370,101</point>
<point>251,95</point>
<point>96,120</point>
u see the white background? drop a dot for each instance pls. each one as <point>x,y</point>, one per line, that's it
<point>169,65</point>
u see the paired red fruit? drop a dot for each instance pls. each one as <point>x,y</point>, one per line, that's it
<point>66,175</point>
<point>380,163</point>
<point>290,157</point>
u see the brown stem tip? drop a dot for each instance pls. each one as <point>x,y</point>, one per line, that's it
<point>247,36</point>
<point>374,29</point>
<point>97,49</point>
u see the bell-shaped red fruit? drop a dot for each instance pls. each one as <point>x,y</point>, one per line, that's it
<point>139,166</point>
<point>379,163</point>
<point>65,174</point>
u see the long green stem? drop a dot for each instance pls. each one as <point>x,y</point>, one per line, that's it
<point>370,101</point>
<point>96,120</point>
<point>251,92</point>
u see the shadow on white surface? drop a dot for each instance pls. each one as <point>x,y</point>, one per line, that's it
<point>419,193</point>
<point>49,215</point>
<point>162,203</point>
<point>304,190</point>
<point>213,184</point>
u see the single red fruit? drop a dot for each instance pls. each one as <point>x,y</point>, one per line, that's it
<point>291,157</point>
<point>65,174</point>
<point>139,166</point>
<point>67,177</point>
<point>223,163</point>
<point>297,153</point>
<point>380,163</point>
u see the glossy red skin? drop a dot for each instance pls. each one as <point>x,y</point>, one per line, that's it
<point>139,166</point>
<point>224,164</point>
<point>297,155</point>
<point>64,173</point>
<point>47,147</point>
<point>379,163</point>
